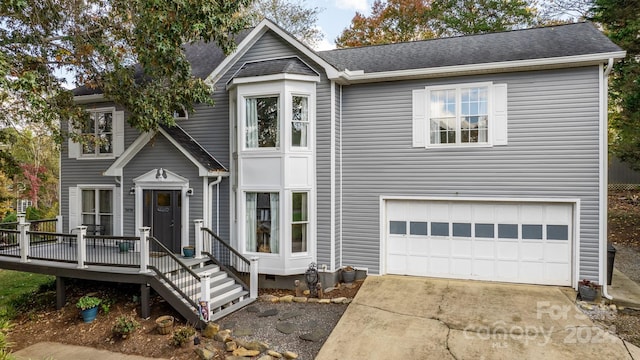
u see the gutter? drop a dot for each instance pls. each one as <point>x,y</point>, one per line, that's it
<point>604,140</point>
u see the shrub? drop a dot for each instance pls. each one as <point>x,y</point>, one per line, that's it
<point>88,302</point>
<point>124,326</point>
<point>182,336</point>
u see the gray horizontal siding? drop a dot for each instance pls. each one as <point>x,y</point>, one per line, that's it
<point>553,152</point>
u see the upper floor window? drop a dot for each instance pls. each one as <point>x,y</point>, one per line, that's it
<point>262,123</point>
<point>180,113</point>
<point>460,115</point>
<point>300,121</point>
<point>99,127</point>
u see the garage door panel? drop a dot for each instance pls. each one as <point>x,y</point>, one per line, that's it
<point>527,242</point>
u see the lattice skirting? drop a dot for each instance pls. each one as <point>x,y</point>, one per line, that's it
<point>619,187</point>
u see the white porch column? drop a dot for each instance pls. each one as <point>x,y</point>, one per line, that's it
<point>199,238</point>
<point>144,248</point>
<point>82,246</point>
<point>253,278</point>
<point>205,286</point>
<point>23,239</point>
<point>59,225</point>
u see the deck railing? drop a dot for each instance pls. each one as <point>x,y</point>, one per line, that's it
<point>243,270</point>
<point>175,274</point>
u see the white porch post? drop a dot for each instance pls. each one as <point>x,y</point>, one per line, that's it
<point>82,246</point>
<point>253,278</point>
<point>205,286</point>
<point>199,238</point>
<point>59,225</point>
<point>23,227</point>
<point>144,249</point>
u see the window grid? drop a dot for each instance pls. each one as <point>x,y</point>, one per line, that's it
<point>99,129</point>
<point>525,232</point>
<point>459,115</point>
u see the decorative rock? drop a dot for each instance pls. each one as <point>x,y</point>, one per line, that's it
<point>245,352</point>
<point>338,300</point>
<point>269,298</point>
<point>313,300</point>
<point>265,357</point>
<point>253,309</point>
<point>233,357</point>
<point>243,331</point>
<point>329,289</point>
<point>223,335</point>
<point>269,312</point>
<point>306,292</point>
<point>300,299</point>
<point>230,346</point>
<point>289,355</point>
<point>289,315</point>
<point>314,336</point>
<point>286,299</point>
<point>205,354</point>
<point>612,307</point>
<point>324,301</point>
<point>274,354</point>
<point>210,330</point>
<point>347,301</point>
<point>285,327</point>
<point>253,345</point>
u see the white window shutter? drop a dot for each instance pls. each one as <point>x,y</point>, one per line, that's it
<point>419,117</point>
<point>118,129</point>
<point>116,211</point>
<point>499,114</point>
<point>74,207</point>
<point>74,147</point>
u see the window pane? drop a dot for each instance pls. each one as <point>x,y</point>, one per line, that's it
<point>299,134</point>
<point>262,219</point>
<point>107,224</point>
<point>88,201</point>
<point>300,108</point>
<point>267,122</point>
<point>298,238</point>
<point>462,229</point>
<point>484,231</point>
<point>88,219</point>
<point>300,206</point>
<point>508,231</point>
<point>532,232</point>
<point>557,232</point>
<point>106,201</point>
<point>397,227</point>
<point>164,199</point>
<point>105,122</point>
<point>418,228</point>
<point>443,103</point>
<point>439,229</point>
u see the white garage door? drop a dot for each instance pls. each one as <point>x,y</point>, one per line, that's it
<point>511,242</point>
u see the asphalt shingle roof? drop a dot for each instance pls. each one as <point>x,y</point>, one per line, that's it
<point>292,65</point>
<point>528,44</point>
<point>194,148</point>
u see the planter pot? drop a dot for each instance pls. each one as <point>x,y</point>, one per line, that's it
<point>587,293</point>
<point>89,315</point>
<point>124,246</point>
<point>348,276</point>
<point>164,324</point>
<point>188,251</point>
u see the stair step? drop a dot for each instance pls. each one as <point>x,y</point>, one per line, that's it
<point>230,291</point>
<point>209,268</point>
<point>223,300</point>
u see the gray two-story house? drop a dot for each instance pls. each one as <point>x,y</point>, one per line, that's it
<point>474,157</point>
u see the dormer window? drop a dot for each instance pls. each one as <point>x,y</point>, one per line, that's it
<point>180,113</point>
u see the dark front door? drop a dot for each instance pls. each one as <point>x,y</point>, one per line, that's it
<point>162,213</point>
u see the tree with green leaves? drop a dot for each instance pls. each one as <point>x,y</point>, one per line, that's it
<point>408,20</point>
<point>621,23</point>
<point>293,16</point>
<point>132,50</point>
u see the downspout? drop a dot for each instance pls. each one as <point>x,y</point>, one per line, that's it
<point>604,182</point>
<point>211,184</point>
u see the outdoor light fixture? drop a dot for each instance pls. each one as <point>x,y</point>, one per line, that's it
<point>132,190</point>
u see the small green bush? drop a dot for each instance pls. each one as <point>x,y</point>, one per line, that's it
<point>88,302</point>
<point>182,336</point>
<point>124,326</point>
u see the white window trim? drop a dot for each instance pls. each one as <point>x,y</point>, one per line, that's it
<point>291,223</point>
<point>117,139</point>
<point>243,218</point>
<point>75,205</point>
<point>310,120</point>
<point>97,154</point>
<point>458,88</point>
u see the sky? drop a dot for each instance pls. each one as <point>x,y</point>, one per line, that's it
<point>336,16</point>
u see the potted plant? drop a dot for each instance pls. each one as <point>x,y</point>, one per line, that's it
<point>164,324</point>
<point>124,326</point>
<point>189,251</point>
<point>88,306</point>
<point>348,274</point>
<point>588,290</point>
<point>124,246</point>
<point>183,336</point>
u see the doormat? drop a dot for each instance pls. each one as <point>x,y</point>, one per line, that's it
<point>157,254</point>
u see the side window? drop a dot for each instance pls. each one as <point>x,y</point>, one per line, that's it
<point>262,123</point>
<point>300,121</point>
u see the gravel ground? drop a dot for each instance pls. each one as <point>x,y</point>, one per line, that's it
<point>311,317</point>
<point>627,261</point>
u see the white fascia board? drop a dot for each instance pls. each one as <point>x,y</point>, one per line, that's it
<point>116,168</point>
<point>274,77</point>
<point>253,37</point>
<point>86,99</point>
<point>358,76</point>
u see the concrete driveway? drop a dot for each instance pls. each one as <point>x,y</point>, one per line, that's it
<point>401,317</point>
